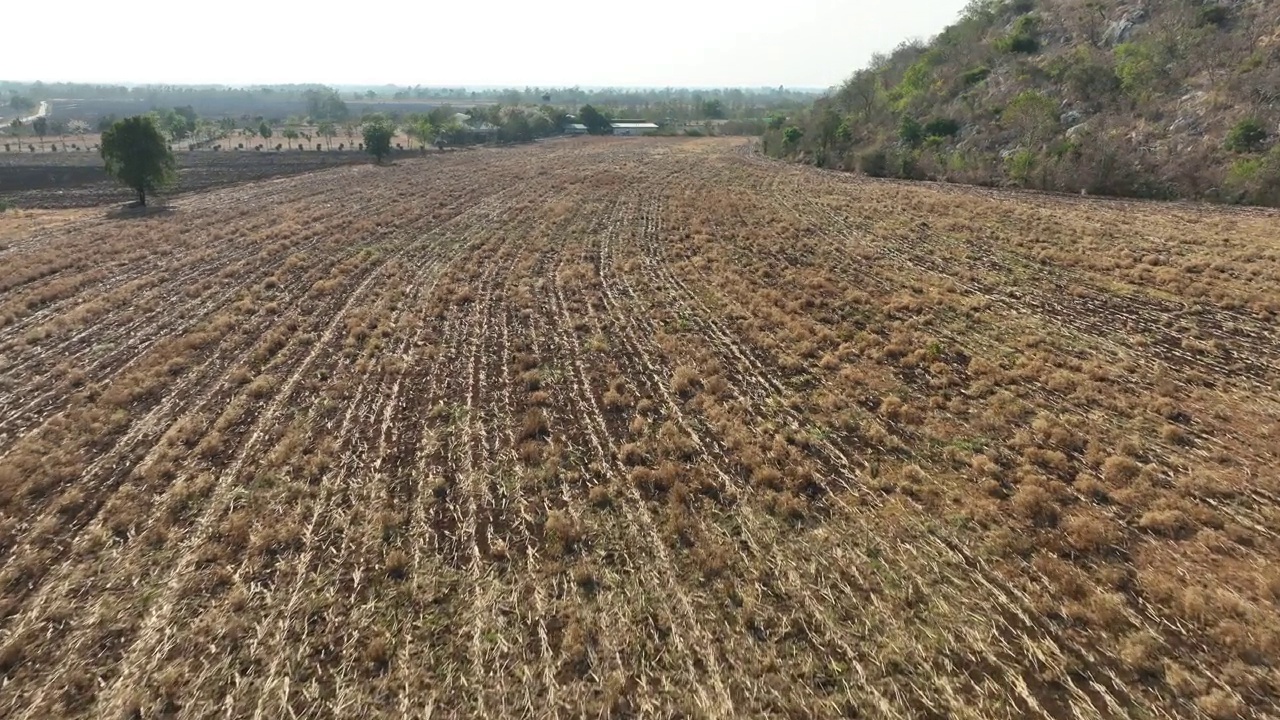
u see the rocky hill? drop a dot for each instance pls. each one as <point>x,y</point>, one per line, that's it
<point>1162,99</point>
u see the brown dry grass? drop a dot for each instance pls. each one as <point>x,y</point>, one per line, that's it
<point>649,428</point>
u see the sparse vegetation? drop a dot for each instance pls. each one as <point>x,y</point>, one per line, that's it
<point>1154,100</point>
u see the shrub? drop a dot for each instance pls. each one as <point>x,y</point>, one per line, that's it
<point>1034,114</point>
<point>1021,165</point>
<point>874,163</point>
<point>910,131</point>
<point>1024,44</point>
<point>973,76</point>
<point>792,135</point>
<point>1216,15</point>
<point>915,81</point>
<point>1247,136</point>
<point>942,127</point>
<point>1139,67</point>
<point>1022,38</point>
<point>1255,180</point>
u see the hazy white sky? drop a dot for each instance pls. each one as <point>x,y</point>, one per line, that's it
<point>798,43</point>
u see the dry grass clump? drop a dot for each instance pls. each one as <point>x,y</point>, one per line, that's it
<point>1036,504</point>
<point>600,497</point>
<point>1091,533</point>
<point>685,381</point>
<point>1221,704</point>
<point>1117,469</point>
<point>534,426</point>
<point>561,532</point>
<point>397,564</point>
<point>377,653</point>
<point>1169,523</point>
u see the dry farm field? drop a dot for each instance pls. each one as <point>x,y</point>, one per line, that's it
<point>650,428</point>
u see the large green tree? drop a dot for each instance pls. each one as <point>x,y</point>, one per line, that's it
<point>137,155</point>
<point>377,138</point>
<point>596,122</point>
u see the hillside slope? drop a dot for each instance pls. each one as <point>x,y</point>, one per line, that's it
<point>1164,98</point>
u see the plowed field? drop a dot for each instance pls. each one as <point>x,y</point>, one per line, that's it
<point>647,428</point>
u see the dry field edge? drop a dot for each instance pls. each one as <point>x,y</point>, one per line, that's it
<point>645,427</point>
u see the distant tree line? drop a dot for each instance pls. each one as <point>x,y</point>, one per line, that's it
<point>322,102</point>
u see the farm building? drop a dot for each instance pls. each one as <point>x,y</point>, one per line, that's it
<point>633,128</point>
<point>575,129</point>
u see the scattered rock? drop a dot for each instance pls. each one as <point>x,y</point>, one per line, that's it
<point>1077,130</point>
<point>1195,102</point>
<point>1118,32</point>
<point>1121,30</point>
<point>1070,117</point>
<point>1187,125</point>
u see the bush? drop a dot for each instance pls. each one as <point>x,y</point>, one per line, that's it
<point>874,163</point>
<point>910,131</point>
<point>1093,81</point>
<point>1024,44</point>
<point>942,127</point>
<point>792,135</point>
<point>973,76</point>
<point>1216,15</point>
<point>1139,66</point>
<point>1255,181</point>
<point>1247,136</point>
<point>1020,166</point>
<point>4,205</point>
<point>1023,37</point>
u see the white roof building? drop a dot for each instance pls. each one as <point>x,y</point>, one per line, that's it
<point>632,128</point>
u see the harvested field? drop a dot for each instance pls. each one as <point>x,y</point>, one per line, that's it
<point>75,180</point>
<point>639,428</point>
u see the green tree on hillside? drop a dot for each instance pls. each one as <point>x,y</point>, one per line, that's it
<point>290,134</point>
<point>1247,136</point>
<point>137,155</point>
<point>377,138</point>
<point>1033,114</point>
<point>265,131</point>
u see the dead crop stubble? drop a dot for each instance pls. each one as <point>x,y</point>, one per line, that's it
<point>641,428</point>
